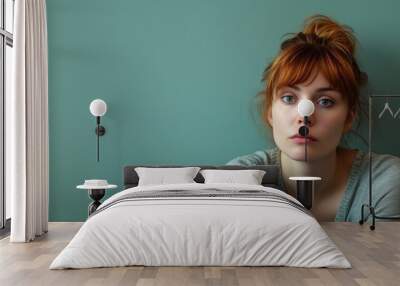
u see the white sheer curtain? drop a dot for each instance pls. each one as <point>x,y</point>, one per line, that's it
<point>27,124</point>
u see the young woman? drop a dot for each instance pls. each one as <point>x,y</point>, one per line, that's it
<point>319,64</point>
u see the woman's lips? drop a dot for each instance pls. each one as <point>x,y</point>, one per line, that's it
<point>301,140</point>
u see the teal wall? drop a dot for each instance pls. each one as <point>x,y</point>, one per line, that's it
<point>180,79</point>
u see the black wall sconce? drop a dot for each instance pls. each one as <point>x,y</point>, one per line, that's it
<point>98,108</point>
<point>305,185</point>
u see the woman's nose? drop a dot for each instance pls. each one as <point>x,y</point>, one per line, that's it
<point>310,120</point>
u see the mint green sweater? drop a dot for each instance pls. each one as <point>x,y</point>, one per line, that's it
<point>385,182</point>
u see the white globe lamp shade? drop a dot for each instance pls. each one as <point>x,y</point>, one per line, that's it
<point>305,107</point>
<point>98,107</point>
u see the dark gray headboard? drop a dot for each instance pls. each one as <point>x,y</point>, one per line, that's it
<point>270,179</point>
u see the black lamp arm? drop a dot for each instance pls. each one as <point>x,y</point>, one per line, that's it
<point>100,131</point>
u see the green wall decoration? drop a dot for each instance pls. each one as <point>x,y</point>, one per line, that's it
<point>180,79</point>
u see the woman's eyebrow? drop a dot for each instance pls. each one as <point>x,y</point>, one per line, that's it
<point>321,89</point>
<point>325,89</point>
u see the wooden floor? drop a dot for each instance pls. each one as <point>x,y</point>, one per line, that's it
<point>374,255</point>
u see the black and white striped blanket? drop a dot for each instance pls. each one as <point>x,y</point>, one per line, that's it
<point>206,194</point>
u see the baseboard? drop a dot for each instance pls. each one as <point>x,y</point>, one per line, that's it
<point>5,231</point>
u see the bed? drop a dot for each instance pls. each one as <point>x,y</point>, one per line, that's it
<point>201,224</point>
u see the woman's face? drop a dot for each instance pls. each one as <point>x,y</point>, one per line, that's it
<point>327,124</point>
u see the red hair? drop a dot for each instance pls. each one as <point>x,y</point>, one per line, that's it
<point>323,46</point>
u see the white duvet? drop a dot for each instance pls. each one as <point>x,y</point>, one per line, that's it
<point>200,231</point>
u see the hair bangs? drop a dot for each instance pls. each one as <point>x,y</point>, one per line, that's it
<point>303,65</point>
<point>339,72</point>
<point>297,67</point>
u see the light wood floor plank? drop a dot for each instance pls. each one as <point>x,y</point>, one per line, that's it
<point>374,255</point>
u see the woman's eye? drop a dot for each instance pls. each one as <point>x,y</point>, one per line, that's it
<point>288,99</point>
<point>326,102</point>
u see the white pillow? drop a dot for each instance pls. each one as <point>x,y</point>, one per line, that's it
<point>162,176</point>
<point>248,177</point>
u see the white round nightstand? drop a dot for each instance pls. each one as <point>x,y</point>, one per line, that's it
<point>96,190</point>
<point>305,190</point>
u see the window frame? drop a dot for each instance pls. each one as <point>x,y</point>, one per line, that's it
<point>6,39</point>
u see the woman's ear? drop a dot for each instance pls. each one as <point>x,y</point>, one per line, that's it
<point>269,116</point>
<point>349,121</point>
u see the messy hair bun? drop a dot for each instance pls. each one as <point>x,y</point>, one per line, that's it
<point>323,46</point>
<point>339,36</point>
